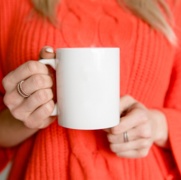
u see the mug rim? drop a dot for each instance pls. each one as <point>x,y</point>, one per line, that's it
<point>87,48</point>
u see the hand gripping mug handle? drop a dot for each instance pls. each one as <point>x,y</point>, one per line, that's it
<point>52,63</point>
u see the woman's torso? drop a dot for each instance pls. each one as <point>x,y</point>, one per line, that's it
<point>146,64</point>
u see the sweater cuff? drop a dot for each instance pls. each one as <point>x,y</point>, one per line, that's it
<point>174,130</point>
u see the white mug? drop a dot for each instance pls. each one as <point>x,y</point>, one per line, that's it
<point>88,87</point>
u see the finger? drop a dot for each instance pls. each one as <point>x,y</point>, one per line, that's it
<point>36,82</point>
<point>47,52</point>
<point>119,138</point>
<point>24,110</point>
<point>134,153</point>
<point>37,118</point>
<point>126,102</point>
<point>47,122</point>
<point>108,130</point>
<point>142,131</point>
<point>135,117</point>
<point>23,72</point>
<point>12,99</point>
<point>131,145</point>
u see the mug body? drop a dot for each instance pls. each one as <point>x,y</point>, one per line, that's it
<point>88,81</point>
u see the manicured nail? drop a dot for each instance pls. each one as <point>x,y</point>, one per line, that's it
<point>49,50</point>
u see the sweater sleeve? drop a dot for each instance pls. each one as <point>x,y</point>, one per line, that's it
<point>172,111</point>
<point>172,106</point>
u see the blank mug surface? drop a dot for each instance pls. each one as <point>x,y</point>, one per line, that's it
<point>88,81</point>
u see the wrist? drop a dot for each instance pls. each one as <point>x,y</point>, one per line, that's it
<point>13,131</point>
<point>160,128</point>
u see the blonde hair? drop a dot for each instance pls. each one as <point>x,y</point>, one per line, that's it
<point>155,12</point>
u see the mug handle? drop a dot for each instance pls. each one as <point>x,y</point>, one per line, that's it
<point>52,63</point>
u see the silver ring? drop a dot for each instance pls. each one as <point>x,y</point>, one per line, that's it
<point>21,91</point>
<point>125,137</point>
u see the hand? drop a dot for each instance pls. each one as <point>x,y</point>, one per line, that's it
<point>35,110</point>
<point>138,129</point>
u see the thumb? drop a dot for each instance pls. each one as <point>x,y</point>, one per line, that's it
<point>47,52</point>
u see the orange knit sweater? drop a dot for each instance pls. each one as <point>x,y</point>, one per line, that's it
<point>150,72</point>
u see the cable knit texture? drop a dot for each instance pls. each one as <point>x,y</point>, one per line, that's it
<point>150,72</point>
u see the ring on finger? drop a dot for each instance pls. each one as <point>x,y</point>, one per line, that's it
<point>125,137</point>
<point>20,90</point>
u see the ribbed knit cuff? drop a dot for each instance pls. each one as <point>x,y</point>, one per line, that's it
<point>174,128</point>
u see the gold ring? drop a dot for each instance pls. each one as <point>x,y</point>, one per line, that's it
<point>21,91</point>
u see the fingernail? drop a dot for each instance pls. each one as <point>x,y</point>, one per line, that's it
<point>49,50</point>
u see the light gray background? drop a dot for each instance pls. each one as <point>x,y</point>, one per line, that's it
<point>3,175</point>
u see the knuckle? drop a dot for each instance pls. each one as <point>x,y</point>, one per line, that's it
<point>46,123</point>
<point>17,114</point>
<point>5,82</point>
<point>48,108</point>
<point>115,130</point>
<point>116,149</point>
<point>145,133</point>
<point>38,81</point>
<point>42,125</point>
<point>32,67</point>
<point>111,138</point>
<point>30,124</point>
<point>131,100</point>
<point>42,95</point>
<point>145,144</point>
<point>113,148</point>
<point>143,115</point>
<point>143,153</point>
<point>7,100</point>
<point>50,81</point>
<point>50,93</point>
<point>128,97</point>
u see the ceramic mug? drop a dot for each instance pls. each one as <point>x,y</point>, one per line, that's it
<point>88,87</point>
